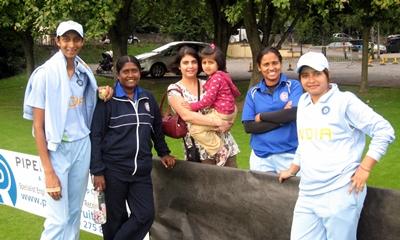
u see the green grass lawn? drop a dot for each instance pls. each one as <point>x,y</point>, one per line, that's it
<point>16,135</point>
<point>16,225</point>
<point>16,132</point>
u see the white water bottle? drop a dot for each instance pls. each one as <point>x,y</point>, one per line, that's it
<point>100,214</point>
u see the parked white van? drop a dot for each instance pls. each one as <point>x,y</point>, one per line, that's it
<point>240,35</point>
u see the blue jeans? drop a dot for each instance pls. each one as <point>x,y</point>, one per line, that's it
<point>273,163</point>
<point>71,164</point>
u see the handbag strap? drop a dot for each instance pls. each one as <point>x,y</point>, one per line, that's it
<point>185,144</point>
<point>198,90</point>
<point>198,99</point>
<point>178,89</point>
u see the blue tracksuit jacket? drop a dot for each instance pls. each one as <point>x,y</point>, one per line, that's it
<point>123,132</point>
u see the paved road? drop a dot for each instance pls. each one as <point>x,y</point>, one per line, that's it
<point>341,72</point>
<point>348,72</point>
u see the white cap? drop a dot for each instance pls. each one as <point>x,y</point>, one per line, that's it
<point>314,60</point>
<point>68,26</point>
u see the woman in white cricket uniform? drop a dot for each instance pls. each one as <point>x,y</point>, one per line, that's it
<point>331,127</point>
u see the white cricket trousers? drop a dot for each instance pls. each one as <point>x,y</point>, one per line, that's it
<point>71,164</point>
<point>333,215</point>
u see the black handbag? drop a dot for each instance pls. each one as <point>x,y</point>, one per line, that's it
<point>192,152</point>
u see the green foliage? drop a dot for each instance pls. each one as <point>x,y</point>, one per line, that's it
<point>19,15</point>
<point>321,23</point>
<point>282,4</point>
<point>141,48</point>
<point>42,17</point>
<point>95,16</point>
<point>184,20</point>
<point>234,12</point>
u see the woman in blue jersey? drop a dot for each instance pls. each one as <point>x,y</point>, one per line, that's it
<point>331,128</point>
<point>123,132</point>
<point>269,115</point>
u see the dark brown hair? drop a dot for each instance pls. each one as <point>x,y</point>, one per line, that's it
<point>212,51</point>
<point>268,50</point>
<point>183,51</point>
<point>125,59</point>
<point>325,71</point>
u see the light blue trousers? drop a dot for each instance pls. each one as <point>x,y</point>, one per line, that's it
<point>71,164</point>
<point>333,215</point>
<point>273,163</point>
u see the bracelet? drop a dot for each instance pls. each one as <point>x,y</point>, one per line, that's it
<point>53,189</point>
<point>365,169</point>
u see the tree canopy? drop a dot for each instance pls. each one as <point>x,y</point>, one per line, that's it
<point>203,20</point>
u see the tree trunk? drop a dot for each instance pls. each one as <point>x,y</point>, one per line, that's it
<point>27,45</point>
<point>288,31</point>
<point>365,58</point>
<point>253,37</point>
<point>222,29</point>
<point>120,31</point>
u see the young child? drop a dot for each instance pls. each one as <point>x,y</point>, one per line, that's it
<point>60,99</point>
<point>218,102</point>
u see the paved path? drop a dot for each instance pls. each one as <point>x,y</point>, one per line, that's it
<point>341,72</point>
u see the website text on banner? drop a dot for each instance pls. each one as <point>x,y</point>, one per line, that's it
<point>22,187</point>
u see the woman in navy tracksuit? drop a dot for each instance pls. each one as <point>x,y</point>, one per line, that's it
<point>122,133</point>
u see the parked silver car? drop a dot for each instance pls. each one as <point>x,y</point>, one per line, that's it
<point>340,45</point>
<point>157,62</point>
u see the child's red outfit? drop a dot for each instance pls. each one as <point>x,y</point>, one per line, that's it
<point>219,99</point>
<point>220,94</point>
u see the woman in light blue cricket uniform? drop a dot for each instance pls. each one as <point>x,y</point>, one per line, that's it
<point>60,99</point>
<point>331,127</point>
<point>269,115</point>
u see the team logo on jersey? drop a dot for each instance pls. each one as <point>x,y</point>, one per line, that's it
<point>8,187</point>
<point>79,82</point>
<point>325,110</point>
<point>147,106</point>
<point>284,96</point>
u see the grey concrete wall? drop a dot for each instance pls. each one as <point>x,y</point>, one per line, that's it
<point>196,201</point>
